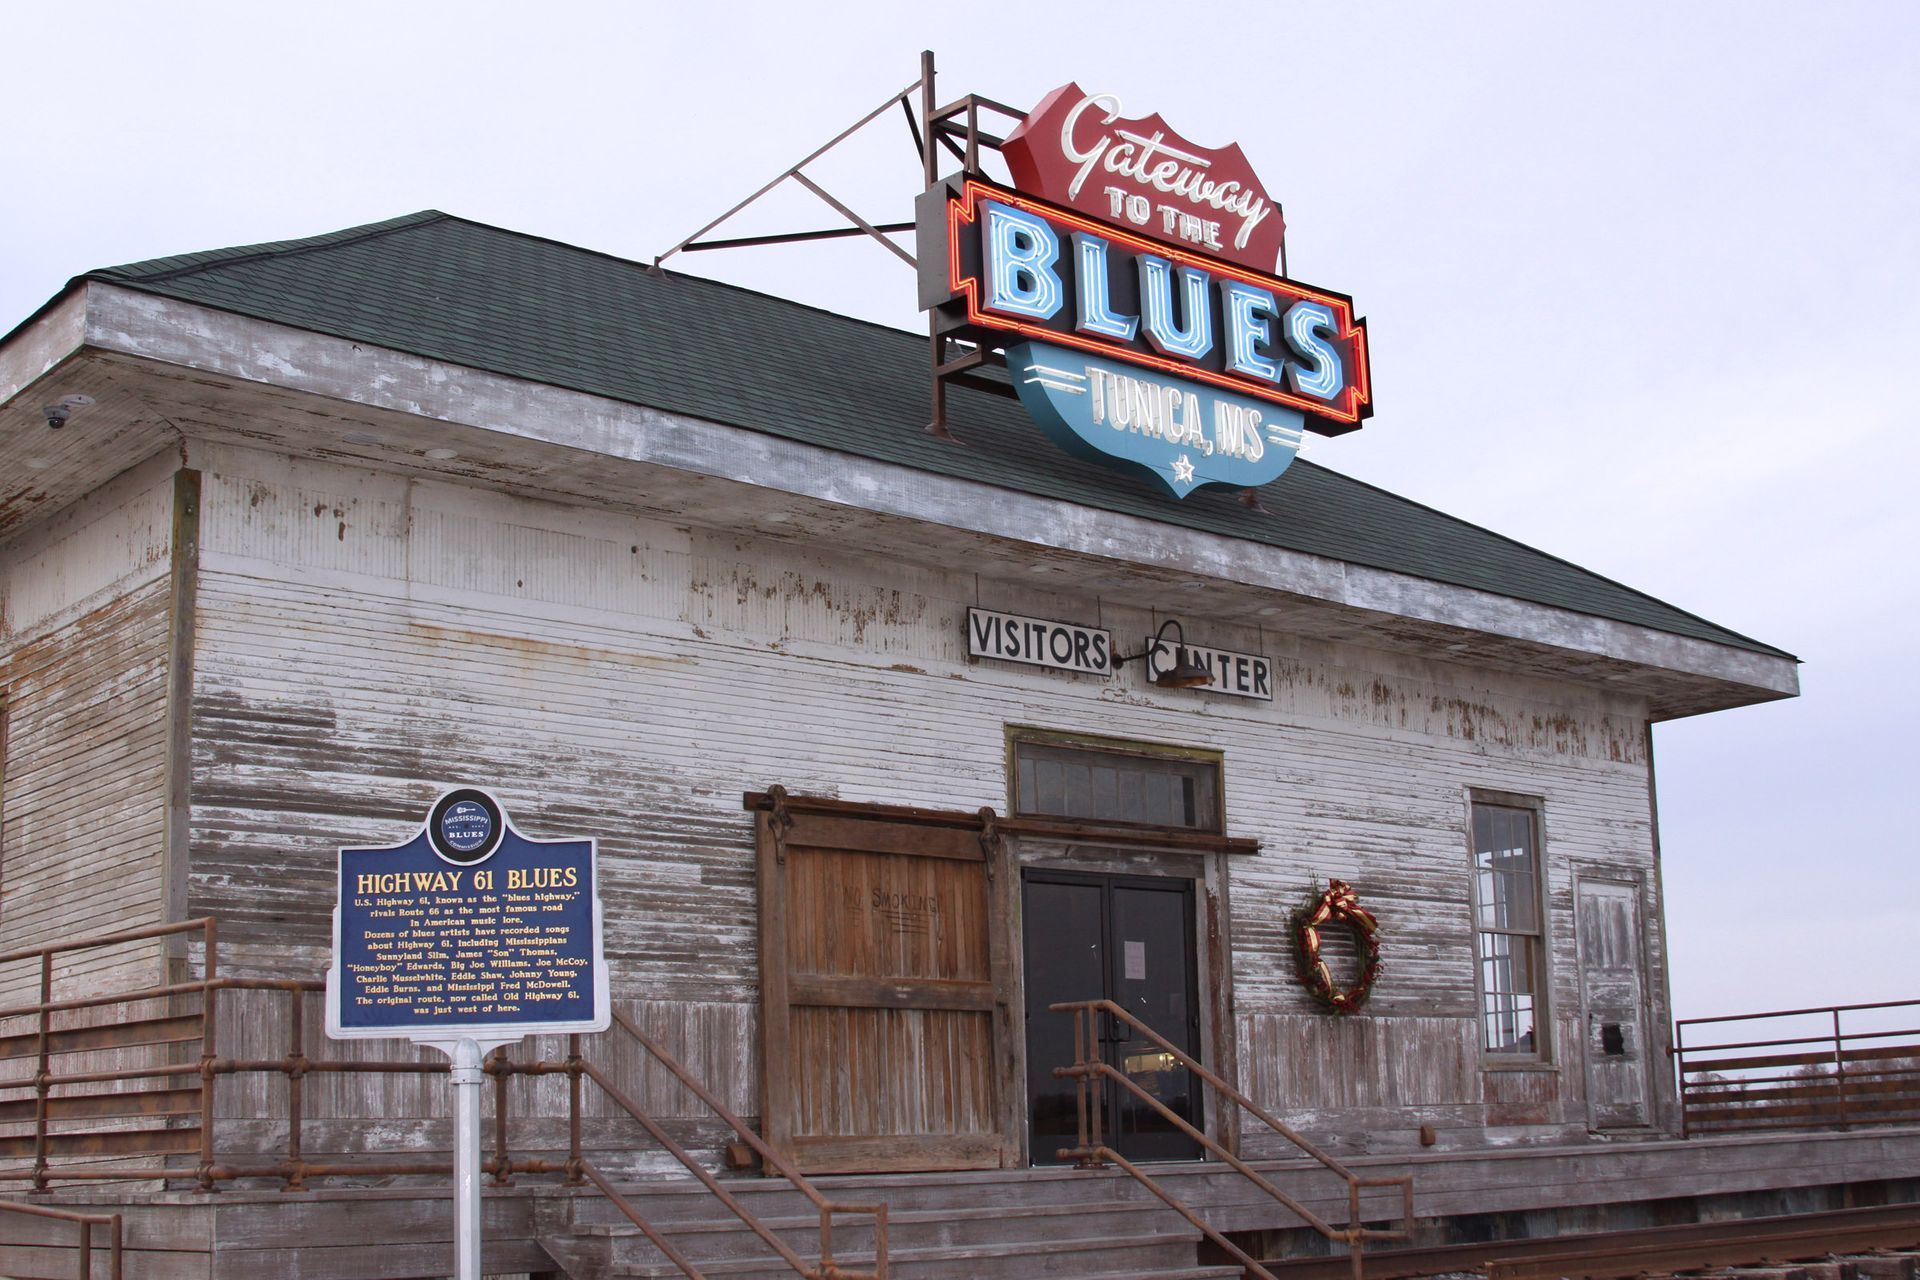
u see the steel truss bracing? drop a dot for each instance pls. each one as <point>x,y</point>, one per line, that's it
<point>860,226</point>
<point>953,129</point>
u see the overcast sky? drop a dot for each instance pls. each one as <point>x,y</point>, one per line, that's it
<point>1640,280</point>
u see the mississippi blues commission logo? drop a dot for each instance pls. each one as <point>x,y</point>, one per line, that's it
<point>1119,280</point>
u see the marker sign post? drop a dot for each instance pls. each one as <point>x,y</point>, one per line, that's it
<point>466,937</point>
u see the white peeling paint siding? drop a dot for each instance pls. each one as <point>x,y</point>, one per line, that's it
<point>84,615</point>
<point>366,639</point>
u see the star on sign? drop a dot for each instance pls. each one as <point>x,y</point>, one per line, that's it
<point>1183,469</point>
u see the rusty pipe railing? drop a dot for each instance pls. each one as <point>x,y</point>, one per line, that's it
<point>86,1222</point>
<point>49,1042</point>
<point>1090,1069</point>
<point>44,1034</point>
<point>1818,1071</point>
<point>578,1165</point>
<point>46,1042</point>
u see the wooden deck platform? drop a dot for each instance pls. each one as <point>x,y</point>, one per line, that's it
<point>1054,1222</point>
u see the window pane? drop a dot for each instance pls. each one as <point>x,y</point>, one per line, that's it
<point>1486,897</point>
<point>1049,795</point>
<point>1158,789</point>
<point>1522,903</point>
<point>1506,889</point>
<point>1509,1024</point>
<point>1115,786</point>
<point>1206,797</point>
<point>1508,975</point>
<point>1508,901</point>
<point>1079,788</point>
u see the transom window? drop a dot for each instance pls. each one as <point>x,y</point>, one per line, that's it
<point>1507,933</point>
<point>1116,784</point>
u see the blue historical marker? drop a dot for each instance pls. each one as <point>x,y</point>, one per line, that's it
<point>468,930</point>
<point>466,937</point>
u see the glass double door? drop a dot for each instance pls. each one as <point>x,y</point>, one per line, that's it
<point>1129,939</point>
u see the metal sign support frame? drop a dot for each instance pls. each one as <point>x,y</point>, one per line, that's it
<point>860,226</point>
<point>954,129</point>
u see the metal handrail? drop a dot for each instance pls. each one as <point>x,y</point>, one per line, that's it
<point>207,1068</point>
<point>579,1165</point>
<point>86,1222</point>
<point>109,939</point>
<point>1794,1013</point>
<point>1845,1097</point>
<point>295,1065</point>
<point>1089,1067</point>
<point>768,1156</point>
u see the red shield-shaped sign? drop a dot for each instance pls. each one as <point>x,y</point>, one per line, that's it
<point>1076,149</point>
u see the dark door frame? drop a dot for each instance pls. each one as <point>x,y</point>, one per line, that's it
<point>1111,962</point>
<point>1088,851</point>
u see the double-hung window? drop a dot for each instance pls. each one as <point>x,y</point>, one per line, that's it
<point>1508,938</point>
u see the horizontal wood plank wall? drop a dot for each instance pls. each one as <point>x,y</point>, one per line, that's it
<point>366,639</point>
<point>83,679</point>
<point>84,612</point>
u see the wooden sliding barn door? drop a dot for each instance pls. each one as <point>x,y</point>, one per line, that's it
<point>884,987</point>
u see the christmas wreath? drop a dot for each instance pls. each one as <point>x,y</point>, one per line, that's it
<point>1338,905</point>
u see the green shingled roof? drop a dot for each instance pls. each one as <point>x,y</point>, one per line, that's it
<point>470,294</point>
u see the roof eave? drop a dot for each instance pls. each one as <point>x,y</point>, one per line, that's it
<point>41,341</point>
<point>1677,675</point>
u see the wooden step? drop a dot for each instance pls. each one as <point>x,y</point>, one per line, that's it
<point>1158,1255</point>
<point>666,1200</point>
<point>723,1237</point>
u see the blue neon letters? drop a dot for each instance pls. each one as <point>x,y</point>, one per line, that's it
<point>1305,322</point>
<point>1095,314</point>
<point>1179,307</point>
<point>1246,327</point>
<point>1021,251</point>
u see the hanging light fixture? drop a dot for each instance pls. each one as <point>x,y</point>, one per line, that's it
<point>1185,673</point>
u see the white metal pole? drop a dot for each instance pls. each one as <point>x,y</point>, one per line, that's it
<point>467,1081</point>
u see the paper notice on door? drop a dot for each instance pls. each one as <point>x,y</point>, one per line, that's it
<point>1136,960</point>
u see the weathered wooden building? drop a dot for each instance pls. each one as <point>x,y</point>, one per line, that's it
<point>329,525</point>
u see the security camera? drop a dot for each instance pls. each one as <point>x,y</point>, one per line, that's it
<point>57,414</point>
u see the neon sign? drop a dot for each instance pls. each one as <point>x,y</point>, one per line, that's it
<point>1134,323</point>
